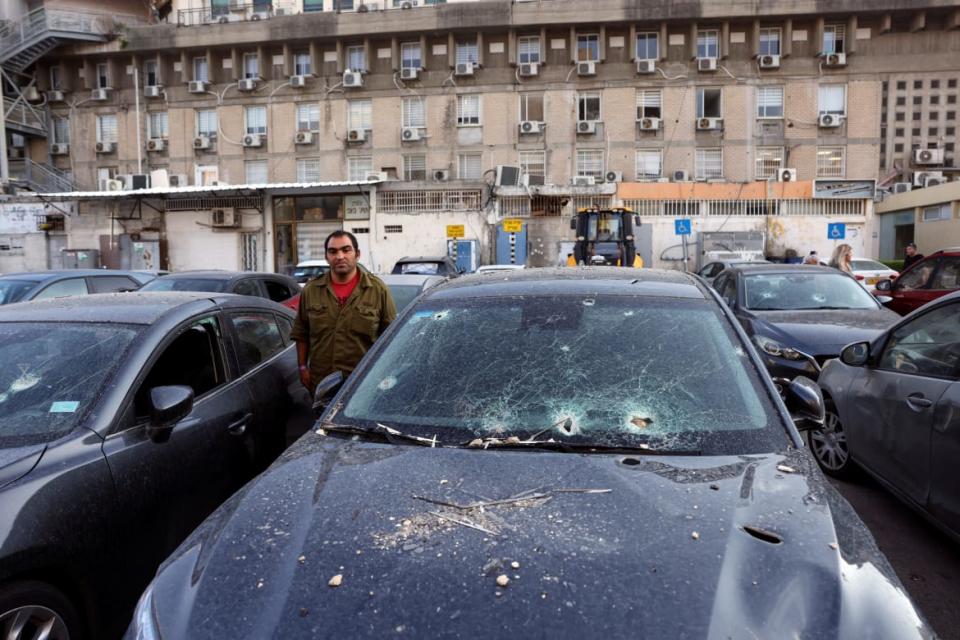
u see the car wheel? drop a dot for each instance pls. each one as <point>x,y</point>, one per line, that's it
<point>829,445</point>
<point>36,610</point>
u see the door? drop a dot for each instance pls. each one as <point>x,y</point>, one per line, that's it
<point>512,246</point>
<point>464,254</point>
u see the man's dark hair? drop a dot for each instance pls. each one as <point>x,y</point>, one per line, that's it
<point>340,233</point>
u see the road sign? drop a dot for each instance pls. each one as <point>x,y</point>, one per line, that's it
<point>836,231</point>
<point>682,226</point>
<point>455,231</point>
<point>512,225</point>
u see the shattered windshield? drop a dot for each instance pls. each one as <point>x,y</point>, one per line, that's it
<point>605,370</point>
<point>168,283</point>
<point>52,374</point>
<point>13,290</point>
<point>798,291</point>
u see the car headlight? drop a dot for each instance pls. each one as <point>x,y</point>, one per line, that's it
<point>774,348</point>
<point>144,623</point>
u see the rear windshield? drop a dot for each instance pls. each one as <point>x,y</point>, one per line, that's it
<point>170,283</point>
<point>14,290</point>
<point>403,294</point>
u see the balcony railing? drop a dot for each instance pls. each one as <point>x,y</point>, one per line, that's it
<point>39,177</point>
<point>234,12</point>
<point>75,21</point>
<point>22,113</point>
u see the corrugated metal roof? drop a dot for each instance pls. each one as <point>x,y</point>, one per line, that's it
<point>177,191</point>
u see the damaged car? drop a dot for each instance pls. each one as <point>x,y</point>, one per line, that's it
<point>571,453</point>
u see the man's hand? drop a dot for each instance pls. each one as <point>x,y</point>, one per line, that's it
<point>305,377</point>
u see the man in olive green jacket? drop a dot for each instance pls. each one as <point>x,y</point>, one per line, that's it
<point>341,313</point>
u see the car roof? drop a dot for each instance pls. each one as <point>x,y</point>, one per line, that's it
<point>574,281</point>
<point>313,263</point>
<point>123,308</point>
<point>216,274</point>
<point>409,278</point>
<point>41,276</point>
<point>782,268</point>
<point>424,259</point>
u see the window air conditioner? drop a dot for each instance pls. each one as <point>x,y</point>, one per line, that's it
<point>59,149</point>
<point>178,180</point>
<point>901,187</point>
<point>410,134</point>
<point>706,64</point>
<point>587,68</point>
<point>681,176</point>
<point>356,135</point>
<point>153,91</point>
<point>225,217</point>
<point>352,79</point>
<point>55,96</point>
<point>613,176</point>
<point>463,69</point>
<point>933,181</point>
<point>376,176</point>
<point>649,124</point>
<point>587,126</point>
<point>197,86</point>
<point>303,137</point>
<point>298,82</point>
<point>135,181</point>
<point>105,147</point>
<point>201,142</point>
<point>928,156</point>
<point>835,60</point>
<point>769,62</point>
<point>829,120</point>
<point>253,140</point>
<point>531,126</point>
<point>529,69</point>
<point>156,144</point>
<point>584,181</point>
<point>709,124</point>
<point>247,84</point>
<point>646,66</point>
<point>409,73</point>
<point>441,175</point>
<point>786,175</point>
<point>109,184</point>
<point>99,94</point>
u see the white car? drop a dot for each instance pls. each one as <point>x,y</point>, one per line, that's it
<point>307,270</point>
<point>488,268</point>
<point>870,272</point>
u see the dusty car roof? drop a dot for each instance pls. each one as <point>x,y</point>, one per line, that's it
<point>424,259</point>
<point>783,268</point>
<point>408,278</point>
<point>574,281</point>
<point>40,276</point>
<point>216,274</point>
<point>123,308</point>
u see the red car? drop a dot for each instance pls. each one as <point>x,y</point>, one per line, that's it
<point>292,303</point>
<point>936,275</point>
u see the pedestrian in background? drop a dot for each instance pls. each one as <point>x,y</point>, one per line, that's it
<point>812,258</point>
<point>912,255</point>
<point>842,258</point>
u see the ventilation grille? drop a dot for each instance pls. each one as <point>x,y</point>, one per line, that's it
<point>393,228</point>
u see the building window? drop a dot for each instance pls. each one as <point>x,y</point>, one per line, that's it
<point>833,99</point>
<point>359,167</point>
<point>915,116</point>
<point>915,132</point>
<point>308,170</point>
<point>901,101</point>
<point>302,64</point>
<point>470,166</point>
<point>107,128</point>
<point>55,78</point>
<point>898,132</point>
<point>933,115</point>
<point>357,58</point>
<point>308,117</point>
<point>648,46</point>
<point>917,100</point>
<point>709,164</point>
<point>414,112</point>
<point>709,103</point>
<point>901,85</point>
<point>103,76</point>
<point>157,124</point>
<point>936,212</point>
<point>708,44</point>
<point>201,71</point>
<point>360,114</point>
<point>207,123</point>
<point>933,132</point>
<point>649,103</point>
<point>830,162</point>
<point>899,116</point>
<point>951,99</point>
<point>934,99</point>
<point>952,83</point>
<point>770,42</point>
<point>528,49</point>
<point>150,77</point>
<point>251,66</point>
<point>531,107</point>
<point>61,130</point>
<point>590,163</point>
<point>649,164</point>
<point>533,163</point>
<point>255,172</point>
<point>833,38</point>
<point>934,84</point>
<point>769,102</point>
<point>467,52</point>
<point>310,6</point>
<point>206,175</point>
<point>918,84</point>
<point>106,173</point>
<point>769,160</point>
<point>410,57</point>
<point>588,47</point>
<point>588,106</point>
<point>949,131</point>
<point>951,116</point>
<point>898,148</point>
<point>255,119</point>
<point>468,110</point>
<point>415,167</point>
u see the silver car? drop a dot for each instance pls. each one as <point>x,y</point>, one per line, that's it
<point>406,287</point>
<point>711,270</point>
<point>893,409</point>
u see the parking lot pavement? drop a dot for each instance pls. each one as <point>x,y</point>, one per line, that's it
<point>927,561</point>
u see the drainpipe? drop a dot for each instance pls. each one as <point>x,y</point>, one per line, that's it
<point>136,108</point>
<point>4,169</point>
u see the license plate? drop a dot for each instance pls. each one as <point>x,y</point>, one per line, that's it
<point>873,280</point>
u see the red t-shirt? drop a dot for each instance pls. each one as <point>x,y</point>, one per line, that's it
<point>343,291</point>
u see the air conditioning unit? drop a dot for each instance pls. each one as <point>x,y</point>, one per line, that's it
<point>352,79</point>
<point>409,73</point>
<point>253,140</point>
<point>105,147</point>
<point>109,184</point>
<point>706,64</point>
<point>587,126</point>
<point>901,187</point>
<point>356,135</point>
<point>298,82</point>
<point>441,175</point>
<point>927,178</point>
<point>463,69</point>
<point>531,126</point>
<point>928,156</point>
<point>225,217</point>
<point>376,176</point>
<point>135,181</point>
<point>100,95</point>
<point>646,66</point>
<point>303,137</point>
<point>584,181</point>
<point>178,180</point>
<point>532,181</point>
<point>368,6</point>
<point>933,181</point>
<point>55,96</point>
<point>769,61</point>
<point>587,68</point>
<point>247,84</point>
<point>709,124</point>
<point>410,134</point>
<point>786,175</point>
<point>529,69</point>
<point>201,142</point>
<point>649,124</point>
<point>835,60</point>
<point>681,176</point>
<point>829,120</point>
<point>156,144</point>
<point>59,149</point>
<point>153,91</point>
<point>197,86</point>
<point>613,176</point>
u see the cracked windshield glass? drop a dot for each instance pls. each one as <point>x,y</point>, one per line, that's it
<point>603,370</point>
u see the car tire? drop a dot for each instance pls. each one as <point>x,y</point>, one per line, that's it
<point>31,606</point>
<point>829,445</point>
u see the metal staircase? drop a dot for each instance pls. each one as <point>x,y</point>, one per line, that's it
<point>24,42</point>
<point>38,177</point>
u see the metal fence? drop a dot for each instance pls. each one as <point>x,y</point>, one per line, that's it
<point>40,177</point>
<point>787,207</point>
<point>429,201</point>
<point>20,112</point>
<point>202,203</point>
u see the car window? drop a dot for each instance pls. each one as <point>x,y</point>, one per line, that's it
<point>729,291</point>
<point>947,276</point>
<point>916,278</point>
<point>12,290</point>
<point>796,291</point>
<point>421,268</point>
<point>286,327</point>
<point>707,271</point>
<point>278,291</point>
<point>194,358</point>
<point>248,287</point>
<point>69,287</point>
<point>868,265</point>
<point>112,284</point>
<point>928,345</point>
<point>259,338</point>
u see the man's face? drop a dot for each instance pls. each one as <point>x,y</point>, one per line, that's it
<point>342,256</point>
<point>911,251</point>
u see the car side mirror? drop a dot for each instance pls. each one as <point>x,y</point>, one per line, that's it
<point>168,406</point>
<point>573,224</point>
<point>885,285</point>
<point>856,354</point>
<point>636,222</point>
<point>884,300</point>
<point>805,403</point>
<point>326,389</point>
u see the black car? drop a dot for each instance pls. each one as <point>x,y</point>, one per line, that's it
<point>428,266</point>
<point>41,285</point>
<point>272,286</point>
<point>125,419</point>
<point>607,458</point>
<point>800,316</point>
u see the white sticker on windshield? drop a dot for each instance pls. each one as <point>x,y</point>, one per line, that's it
<point>64,406</point>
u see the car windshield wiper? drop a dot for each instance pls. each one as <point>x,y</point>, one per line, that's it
<point>579,447</point>
<point>829,308</point>
<point>389,434</point>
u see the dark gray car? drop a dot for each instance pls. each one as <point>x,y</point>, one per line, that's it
<point>41,285</point>
<point>711,270</point>
<point>893,409</point>
<point>272,286</point>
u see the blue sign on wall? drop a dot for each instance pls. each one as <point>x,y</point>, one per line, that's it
<point>682,226</point>
<point>836,231</point>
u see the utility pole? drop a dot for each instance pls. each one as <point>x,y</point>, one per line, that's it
<point>4,167</point>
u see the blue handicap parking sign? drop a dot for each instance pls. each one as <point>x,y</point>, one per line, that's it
<point>682,226</point>
<point>836,231</point>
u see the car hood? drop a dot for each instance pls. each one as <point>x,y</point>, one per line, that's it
<point>16,462</point>
<point>661,548</point>
<point>822,332</point>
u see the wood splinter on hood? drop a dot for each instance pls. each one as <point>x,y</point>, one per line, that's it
<point>640,423</point>
<point>335,580</point>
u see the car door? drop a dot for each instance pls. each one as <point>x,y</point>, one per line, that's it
<point>913,289</point>
<point>890,405</point>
